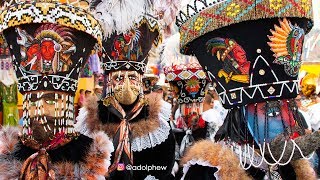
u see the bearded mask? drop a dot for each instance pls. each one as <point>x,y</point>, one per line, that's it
<point>125,58</point>
<point>126,86</point>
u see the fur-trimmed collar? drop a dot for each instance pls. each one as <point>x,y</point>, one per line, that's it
<point>139,127</point>
<point>94,164</point>
<point>217,156</point>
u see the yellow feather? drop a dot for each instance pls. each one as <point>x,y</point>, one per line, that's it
<point>277,46</point>
<point>282,53</point>
<point>281,31</point>
<point>279,50</point>
<point>285,25</point>
<point>277,41</point>
<point>277,35</point>
<point>218,55</point>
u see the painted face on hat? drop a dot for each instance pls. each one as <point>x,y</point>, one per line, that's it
<point>126,86</point>
<point>266,120</point>
<point>47,50</point>
<point>49,114</point>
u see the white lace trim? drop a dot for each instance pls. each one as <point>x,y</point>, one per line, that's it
<point>149,177</point>
<point>81,125</point>
<point>165,110</point>
<point>138,144</point>
<point>199,162</point>
<point>152,139</point>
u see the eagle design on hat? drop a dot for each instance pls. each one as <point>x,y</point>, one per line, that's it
<point>235,64</point>
<point>286,43</point>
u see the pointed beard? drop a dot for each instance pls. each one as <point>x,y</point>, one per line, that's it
<point>43,132</point>
<point>126,96</point>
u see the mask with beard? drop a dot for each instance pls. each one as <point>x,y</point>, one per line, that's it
<point>126,86</point>
<point>49,115</point>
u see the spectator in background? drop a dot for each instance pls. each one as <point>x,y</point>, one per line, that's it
<point>81,98</point>
<point>87,94</point>
<point>213,113</point>
<point>98,92</point>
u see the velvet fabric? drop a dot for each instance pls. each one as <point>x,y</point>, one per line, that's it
<point>249,55</point>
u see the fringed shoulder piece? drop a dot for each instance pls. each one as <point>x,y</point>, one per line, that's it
<point>214,155</point>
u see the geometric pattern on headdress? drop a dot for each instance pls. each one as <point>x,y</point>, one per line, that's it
<point>129,50</point>
<point>203,16</point>
<point>189,81</point>
<point>50,12</point>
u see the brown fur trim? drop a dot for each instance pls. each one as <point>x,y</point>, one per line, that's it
<point>92,120</point>
<point>9,167</point>
<point>303,169</point>
<point>95,165</point>
<point>139,128</point>
<point>216,155</point>
<point>8,138</point>
<point>98,160</point>
<point>307,143</point>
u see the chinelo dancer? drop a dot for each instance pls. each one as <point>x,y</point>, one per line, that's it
<point>143,141</point>
<point>252,51</point>
<point>49,42</point>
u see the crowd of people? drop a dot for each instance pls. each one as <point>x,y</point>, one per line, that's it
<point>85,94</point>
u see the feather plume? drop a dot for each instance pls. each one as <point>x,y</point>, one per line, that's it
<point>171,54</point>
<point>167,10</point>
<point>120,15</point>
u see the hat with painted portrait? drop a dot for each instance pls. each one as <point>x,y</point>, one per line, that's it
<point>49,42</point>
<point>252,49</point>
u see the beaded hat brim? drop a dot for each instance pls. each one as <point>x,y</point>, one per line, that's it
<point>47,12</point>
<point>204,16</point>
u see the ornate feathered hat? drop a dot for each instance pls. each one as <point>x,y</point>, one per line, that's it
<point>257,63</point>
<point>252,51</point>
<point>188,81</point>
<point>129,50</point>
<point>49,42</point>
<point>131,31</point>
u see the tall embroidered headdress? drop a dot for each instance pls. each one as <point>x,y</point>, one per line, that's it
<point>49,42</point>
<point>130,31</point>
<point>252,51</point>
